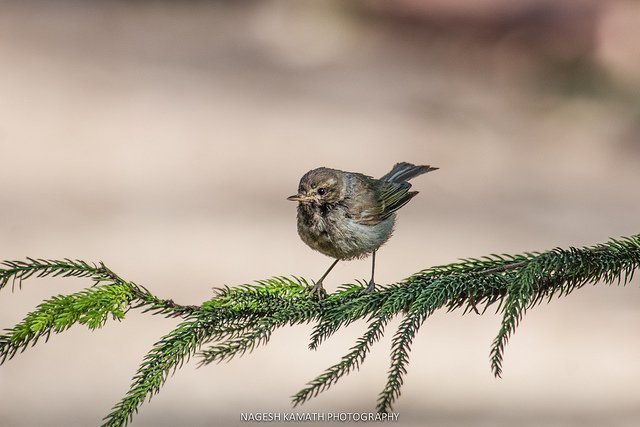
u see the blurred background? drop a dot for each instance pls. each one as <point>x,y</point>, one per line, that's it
<point>163,137</point>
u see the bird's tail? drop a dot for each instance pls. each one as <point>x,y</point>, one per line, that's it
<point>404,171</point>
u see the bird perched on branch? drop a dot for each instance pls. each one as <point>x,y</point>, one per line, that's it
<point>348,215</point>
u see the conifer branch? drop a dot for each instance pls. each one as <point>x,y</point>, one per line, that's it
<point>236,320</point>
<point>90,307</point>
<point>349,362</point>
<point>110,297</point>
<point>17,271</point>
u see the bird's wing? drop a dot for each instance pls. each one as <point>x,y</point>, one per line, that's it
<point>393,196</point>
<point>376,200</point>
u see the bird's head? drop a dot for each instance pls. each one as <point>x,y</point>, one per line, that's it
<point>320,186</point>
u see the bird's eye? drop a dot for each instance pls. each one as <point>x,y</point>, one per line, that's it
<point>322,191</point>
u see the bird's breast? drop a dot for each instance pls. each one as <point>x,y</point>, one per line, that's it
<point>335,234</point>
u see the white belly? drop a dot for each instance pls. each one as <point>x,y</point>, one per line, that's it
<point>348,240</point>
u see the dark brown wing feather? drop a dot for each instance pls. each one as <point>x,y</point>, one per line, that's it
<point>394,195</point>
<point>395,188</point>
<point>377,199</point>
<point>363,205</point>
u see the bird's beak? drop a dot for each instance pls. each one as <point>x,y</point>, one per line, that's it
<point>298,198</point>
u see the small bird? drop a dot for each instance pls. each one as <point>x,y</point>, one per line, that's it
<point>348,215</point>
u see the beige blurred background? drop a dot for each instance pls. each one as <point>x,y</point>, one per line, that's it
<point>163,137</point>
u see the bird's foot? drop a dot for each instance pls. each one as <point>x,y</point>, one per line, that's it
<point>370,286</point>
<point>317,290</point>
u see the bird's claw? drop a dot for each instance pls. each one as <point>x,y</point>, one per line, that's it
<point>371,286</point>
<point>317,290</point>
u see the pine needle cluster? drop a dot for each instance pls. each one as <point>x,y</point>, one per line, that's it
<point>237,320</point>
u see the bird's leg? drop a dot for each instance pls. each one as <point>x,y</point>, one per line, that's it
<point>317,287</point>
<point>372,284</point>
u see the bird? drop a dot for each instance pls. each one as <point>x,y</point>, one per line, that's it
<point>349,215</point>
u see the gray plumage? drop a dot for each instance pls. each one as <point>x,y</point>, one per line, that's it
<point>347,215</point>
